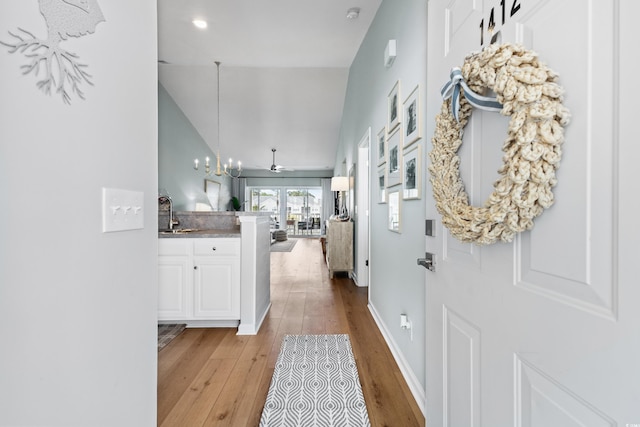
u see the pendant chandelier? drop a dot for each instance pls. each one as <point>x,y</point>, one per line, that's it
<point>227,169</point>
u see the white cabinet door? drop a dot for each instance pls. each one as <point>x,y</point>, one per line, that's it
<point>216,288</point>
<point>216,279</point>
<point>174,280</point>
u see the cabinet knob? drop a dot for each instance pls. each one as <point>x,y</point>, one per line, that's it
<point>213,248</point>
<point>195,267</point>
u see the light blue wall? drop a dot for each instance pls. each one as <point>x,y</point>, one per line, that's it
<point>397,283</point>
<point>179,143</point>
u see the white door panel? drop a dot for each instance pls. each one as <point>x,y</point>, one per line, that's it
<point>532,333</point>
<point>461,371</point>
<point>540,401</point>
<point>557,260</point>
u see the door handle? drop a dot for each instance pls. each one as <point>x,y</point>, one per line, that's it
<point>428,261</point>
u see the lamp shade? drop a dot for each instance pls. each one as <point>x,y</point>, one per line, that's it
<point>340,183</point>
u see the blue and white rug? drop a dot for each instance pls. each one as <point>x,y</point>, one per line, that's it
<point>315,384</point>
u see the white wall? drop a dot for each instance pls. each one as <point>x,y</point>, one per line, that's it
<point>397,283</point>
<point>78,307</point>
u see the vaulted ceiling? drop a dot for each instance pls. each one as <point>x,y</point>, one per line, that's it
<point>283,74</point>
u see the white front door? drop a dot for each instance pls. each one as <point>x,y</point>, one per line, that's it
<point>544,331</point>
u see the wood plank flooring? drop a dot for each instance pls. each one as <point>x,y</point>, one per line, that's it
<point>212,377</point>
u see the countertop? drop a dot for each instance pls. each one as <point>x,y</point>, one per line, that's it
<point>197,233</point>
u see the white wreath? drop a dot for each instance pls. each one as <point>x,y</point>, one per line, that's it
<point>528,92</point>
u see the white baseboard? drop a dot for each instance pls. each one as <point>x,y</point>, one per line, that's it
<point>417,391</point>
<point>210,323</point>
<point>251,328</point>
<point>354,277</point>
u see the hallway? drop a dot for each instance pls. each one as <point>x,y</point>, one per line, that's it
<point>214,377</point>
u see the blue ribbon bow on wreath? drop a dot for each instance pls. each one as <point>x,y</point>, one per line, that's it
<point>452,90</point>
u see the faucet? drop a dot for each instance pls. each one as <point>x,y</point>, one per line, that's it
<point>172,221</point>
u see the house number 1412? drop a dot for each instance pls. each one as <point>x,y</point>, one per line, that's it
<point>515,7</point>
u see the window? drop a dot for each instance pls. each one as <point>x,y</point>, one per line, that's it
<point>296,209</point>
<point>266,200</point>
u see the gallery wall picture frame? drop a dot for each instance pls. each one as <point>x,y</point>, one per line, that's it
<point>412,173</point>
<point>382,184</point>
<point>394,158</point>
<point>411,118</point>
<point>393,107</point>
<point>394,213</point>
<point>382,146</point>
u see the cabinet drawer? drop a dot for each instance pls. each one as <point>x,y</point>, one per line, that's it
<point>174,247</point>
<point>211,247</point>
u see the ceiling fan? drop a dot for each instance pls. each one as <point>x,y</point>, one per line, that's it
<point>277,168</point>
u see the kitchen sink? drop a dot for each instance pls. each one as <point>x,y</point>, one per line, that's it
<point>177,231</point>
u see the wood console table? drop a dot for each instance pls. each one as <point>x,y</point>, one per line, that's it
<point>339,246</point>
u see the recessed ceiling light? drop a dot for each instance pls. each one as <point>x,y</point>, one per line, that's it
<point>200,23</point>
<point>353,13</point>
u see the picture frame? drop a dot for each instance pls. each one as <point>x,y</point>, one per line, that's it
<point>394,158</point>
<point>394,213</point>
<point>382,145</point>
<point>412,173</point>
<point>393,107</point>
<point>411,120</point>
<point>382,184</point>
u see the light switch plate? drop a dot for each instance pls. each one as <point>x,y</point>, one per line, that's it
<point>122,210</point>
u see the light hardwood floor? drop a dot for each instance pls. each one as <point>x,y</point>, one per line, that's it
<point>212,377</point>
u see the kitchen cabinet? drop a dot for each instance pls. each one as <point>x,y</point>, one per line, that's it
<point>174,272</point>
<point>216,278</point>
<point>199,281</point>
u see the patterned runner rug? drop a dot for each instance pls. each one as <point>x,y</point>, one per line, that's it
<point>315,384</point>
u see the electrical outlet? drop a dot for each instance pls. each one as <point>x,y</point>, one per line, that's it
<point>404,322</point>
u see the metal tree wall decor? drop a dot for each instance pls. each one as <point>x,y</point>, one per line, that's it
<point>62,70</point>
